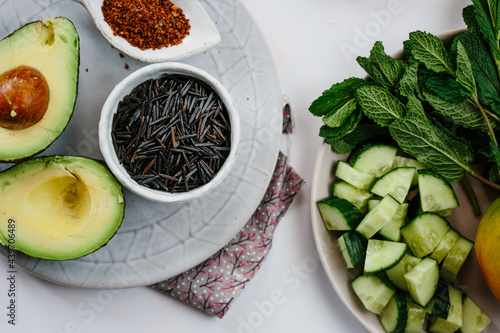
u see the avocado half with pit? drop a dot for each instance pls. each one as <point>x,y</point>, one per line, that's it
<point>39,66</point>
<point>59,207</point>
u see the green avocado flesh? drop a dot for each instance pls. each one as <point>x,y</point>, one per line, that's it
<point>59,207</point>
<point>51,47</point>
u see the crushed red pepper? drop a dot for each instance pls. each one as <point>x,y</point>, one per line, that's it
<point>146,24</point>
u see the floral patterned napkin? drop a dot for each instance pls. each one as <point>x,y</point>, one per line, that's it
<point>216,283</point>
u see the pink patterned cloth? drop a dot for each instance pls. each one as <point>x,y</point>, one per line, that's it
<point>216,283</point>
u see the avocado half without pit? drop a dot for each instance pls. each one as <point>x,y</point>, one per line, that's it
<point>59,207</point>
<point>39,66</point>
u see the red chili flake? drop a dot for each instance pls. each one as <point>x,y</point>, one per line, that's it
<point>146,24</point>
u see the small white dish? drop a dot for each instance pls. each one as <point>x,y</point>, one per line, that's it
<point>202,35</point>
<point>109,108</point>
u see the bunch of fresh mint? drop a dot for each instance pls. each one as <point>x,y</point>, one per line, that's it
<point>439,103</point>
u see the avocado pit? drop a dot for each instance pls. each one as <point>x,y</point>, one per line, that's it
<point>24,97</point>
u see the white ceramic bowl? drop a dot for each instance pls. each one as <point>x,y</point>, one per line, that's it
<point>155,71</point>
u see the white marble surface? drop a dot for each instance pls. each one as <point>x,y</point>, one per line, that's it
<point>313,43</point>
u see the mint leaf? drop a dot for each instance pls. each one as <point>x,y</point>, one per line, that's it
<point>432,146</point>
<point>364,132</point>
<point>430,50</point>
<point>347,126</point>
<point>465,75</point>
<point>443,85</point>
<point>335,97</point>
<point>367,132</point>
<point>484,69</point>
<point>480,142</point>
<point>378,104</point>
<point>415,107</point>
<point>462,113</point>
<point>339,145</point>
<point>487,22</point>
<point>408,85</point>
<point>469,17</point>
<point>407,51</point>
<point>336,117</point>
<point>384,69</point>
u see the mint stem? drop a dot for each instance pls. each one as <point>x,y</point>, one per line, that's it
<point>492,115</point>
<point>486,119</point>
<point>472,195</point>
<point>484,180</point>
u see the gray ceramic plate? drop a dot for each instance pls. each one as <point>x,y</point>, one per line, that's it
<point>158,241</point>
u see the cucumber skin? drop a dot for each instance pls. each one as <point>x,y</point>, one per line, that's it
<point>401,305</point>
<point>350,213</point>
<point>454,319</point>
<point>355,247</point>
<point>441,301</point>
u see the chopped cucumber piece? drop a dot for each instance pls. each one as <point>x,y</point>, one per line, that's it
<point>454,319</point>
<point>449,239</point>
<point>455,258</point>
<point>374,159</point>
<point>373,292</point>
<point>378,217</point>
<point>339,214</point>
<point>474,319</point>
<point>372,203</point>
<point>416,317</point>
<point>391,230</point>
<point>424,233</point>
<point>382,255</point>
<point>422,281</point>
<point>354,195</point>
<point>396,182</point>
<point>436,194</point>
<point>400,161</point>
<point>353,176</point>
<point>393,317</point>
<point>397,273</point>
<point>353,248</point>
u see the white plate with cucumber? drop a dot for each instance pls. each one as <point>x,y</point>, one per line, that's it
<point>397,254</point>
